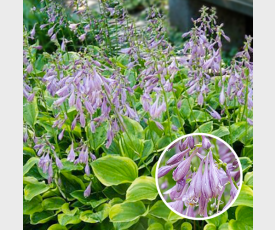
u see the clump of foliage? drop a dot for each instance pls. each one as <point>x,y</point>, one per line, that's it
<point>103,101</point>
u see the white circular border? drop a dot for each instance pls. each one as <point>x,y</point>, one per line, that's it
<point>198,134</point>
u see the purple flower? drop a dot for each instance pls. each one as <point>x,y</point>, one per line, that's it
<point>205,143</point>
<point>73,27</point>
<point>166,169</point>
<point>177,157</point>
<point>29,68</point>
<point>206,189</point>
<point>191,142</point>
<point>58,162</point>
<point>50,172</point>
<point>82,37</point>
<point>60,136</point>
<point>215,181</point>
<point>50,31</point>
<point>177,205</point>
<point>214,114</point>
<point>60,100</point>
<point>87,191</point>
<point>183,168</point>
<point>198,181</point>
<point>249,121</point>
<point>32,33</point>
<point>222,96</point>
<point>31,97</point>
<point>87,169</point>
<point>71,156</point>
<point>200,99</point>
<point>164,185</point>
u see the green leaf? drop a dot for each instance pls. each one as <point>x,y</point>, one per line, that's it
<point>164,141</point>
<point>160,210</point>
<point>70,183</point>
<point>247,151</point>
<point>113,149</point>
<point>54,203</point>
<point>224,226</point>
<point>148,149</point>
<point>65,219</point>
<point>127,211</point>
<point>245,197</point>
<point>98,138</point>
<point>32,190</point>
<point>31,162</point>
<point>248,179</point>
<point>70,166</point>
<point>246,163</point>
<point>124,225</point>
<point>155,226</point>
<point>134,129</point>
<point>91,217</point>
<point>32,206</point>
<point>94,199</point>
<point>168,226</point>
<point>218,220</point>
<point>173,217</point>
<point>186,226</point>
<point>131,148</point>
<point>237,130</point>
<point>153,127</point>
<point>210,227</point>
<point>29,151</point>
<point>222,131</point>
<point>29,180</point>
<point>205,128</point>
<point>247,135</point>
<point>30,111</point>
<point>41,217</point>
<point>142,188</point>
<point>114,170</point>
<point>199,116</point>
<point>244,219</point>
<point>57,227</point>
<point>186,107</point>
<point>153,170</point>
<point>66,209</point>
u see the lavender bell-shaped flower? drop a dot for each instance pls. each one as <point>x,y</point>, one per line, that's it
<point>214,114</point>
<point>183,168</point>
<point>87,191</point>
<point>206,189</point>
<point>32,33</point>
<point>177,205</point>
<point>87,169</point>
<point>58,162</point>
<point>166,169</point>
<point>71,156</point>
<point>60,136</point>
<point>215,183</point>
<point>50,172</point>
<point>177,157</point>
<point>200,99</point>
<point>222,96</point>
<point>191,142</point>
<point>205,143</point>
<point>198,181</point>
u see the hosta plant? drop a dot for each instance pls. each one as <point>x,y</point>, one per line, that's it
<point>102,98</point>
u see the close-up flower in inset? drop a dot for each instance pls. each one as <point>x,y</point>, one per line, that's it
<point>201,176</point>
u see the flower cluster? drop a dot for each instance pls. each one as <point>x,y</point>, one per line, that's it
<point>203,190</point>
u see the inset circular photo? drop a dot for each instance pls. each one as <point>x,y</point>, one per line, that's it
<point>199,176</point>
